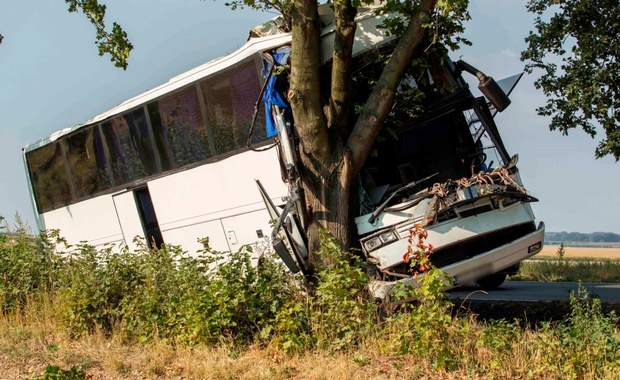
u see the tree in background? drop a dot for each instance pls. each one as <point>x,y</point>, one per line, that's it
<point>576,45</point>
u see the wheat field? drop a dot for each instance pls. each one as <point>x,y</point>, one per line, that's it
<point>581,252</point>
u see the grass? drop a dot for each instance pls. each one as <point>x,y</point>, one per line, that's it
<point>35,339</point>
<point>552,269</point>
<point>156,314</point>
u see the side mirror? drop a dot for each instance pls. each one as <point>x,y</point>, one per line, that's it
<point>487,85</point>
<point>491,90</point>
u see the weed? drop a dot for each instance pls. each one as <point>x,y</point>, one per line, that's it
<point>337,315</point>
<point>584,345</point>
<point>56,373</point>
<point>561,251</point>
<point>27,264</point>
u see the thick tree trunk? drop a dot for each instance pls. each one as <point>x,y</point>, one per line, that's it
<point>330,204</point>
<point>328,165</point>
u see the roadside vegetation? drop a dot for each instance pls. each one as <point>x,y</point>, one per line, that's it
<point>569,270</point>
<point>77,312</point>
<point>572,264</point>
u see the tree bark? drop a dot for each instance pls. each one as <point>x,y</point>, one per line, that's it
<point>328,165</point>
<point>340,93</point>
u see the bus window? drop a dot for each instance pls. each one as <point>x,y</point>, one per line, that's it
<point>129,143</point>
<point>88,163</point>
<point>48,174</point>
<point>179,129</point>
<point>230,98</point>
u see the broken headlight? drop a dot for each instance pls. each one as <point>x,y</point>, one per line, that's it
<point>380,240</point>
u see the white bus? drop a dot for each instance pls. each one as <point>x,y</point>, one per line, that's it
<point>174,164</point>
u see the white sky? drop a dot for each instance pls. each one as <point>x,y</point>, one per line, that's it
<point>51,77</point>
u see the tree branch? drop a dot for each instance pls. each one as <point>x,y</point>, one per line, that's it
<point>304,94</point>
<point>380,101</point>
<point>340,93</point>
<point>115,43</point>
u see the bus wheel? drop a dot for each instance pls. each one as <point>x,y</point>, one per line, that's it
<point>493,281</point>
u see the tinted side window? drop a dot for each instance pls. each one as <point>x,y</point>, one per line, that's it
<point>48,174</point>
<point>230,98</point>
<point>128,139</point>
<point>179,128</point>
<point>88,163</point>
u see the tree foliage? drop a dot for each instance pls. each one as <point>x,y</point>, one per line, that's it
<point>594,237</point>
<point>116,43</point>
<point>575,44</point>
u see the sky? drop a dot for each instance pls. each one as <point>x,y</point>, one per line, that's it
<point>51,77</point>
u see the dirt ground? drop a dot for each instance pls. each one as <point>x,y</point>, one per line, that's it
<point>581,252</point>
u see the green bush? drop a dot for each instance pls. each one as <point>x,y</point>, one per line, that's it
<point>53,372</point>
<point>336,314</point>
<point>343,311</point>
<point>229,295</point>
<point>423,322</point>
<point>169,294</point>
<point>28,264</point>
<point>584,345</point>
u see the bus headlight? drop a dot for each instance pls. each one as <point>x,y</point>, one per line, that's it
<point>372,244</point>
<point>387,237</point>
<point>380,240</point>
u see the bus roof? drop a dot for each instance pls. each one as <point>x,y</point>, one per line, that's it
<point>251,47</point>
<point>263,37</point>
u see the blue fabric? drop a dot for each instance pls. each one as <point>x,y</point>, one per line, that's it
<point>271,96</point>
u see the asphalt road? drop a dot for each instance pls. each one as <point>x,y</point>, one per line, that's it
<point>530,291</point>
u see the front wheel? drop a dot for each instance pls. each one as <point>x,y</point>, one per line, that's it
<point>491,282</point>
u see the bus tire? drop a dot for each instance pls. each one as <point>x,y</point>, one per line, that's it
<point>492,281</point>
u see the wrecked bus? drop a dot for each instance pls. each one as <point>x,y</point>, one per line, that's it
<point>180,161</point>
<point>446,171</point>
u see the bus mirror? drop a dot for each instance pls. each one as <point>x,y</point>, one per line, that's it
<point>487,85</point>
<point>491,90</point>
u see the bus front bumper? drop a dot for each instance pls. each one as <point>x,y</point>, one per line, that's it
<point>482,265</point>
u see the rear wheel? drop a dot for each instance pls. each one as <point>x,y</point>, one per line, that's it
<point>493,281</point>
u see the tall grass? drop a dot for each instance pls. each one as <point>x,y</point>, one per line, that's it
<point>161,313</point>
<point>564,270</point>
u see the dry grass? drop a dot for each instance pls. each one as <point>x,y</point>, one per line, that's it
<point>32,340</point>
<point>581,252</point>
<point>103,358</point>
<point>35,339</point>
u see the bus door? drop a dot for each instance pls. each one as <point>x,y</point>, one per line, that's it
<point>136,216</point>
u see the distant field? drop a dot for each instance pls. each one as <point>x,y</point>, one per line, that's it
<point>584,252</point>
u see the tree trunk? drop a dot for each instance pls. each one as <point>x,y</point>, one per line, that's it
<point>329,166</point>
<point>328,200</point>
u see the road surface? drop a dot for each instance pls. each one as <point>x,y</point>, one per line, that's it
<point>530,291</point>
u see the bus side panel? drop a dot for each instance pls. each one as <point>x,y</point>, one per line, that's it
<point>128,218</point>
<point>212,229</point>
<point>188,201</point>
<point>93,220</point>
<point>246,229</point>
